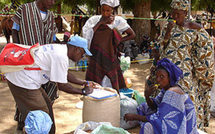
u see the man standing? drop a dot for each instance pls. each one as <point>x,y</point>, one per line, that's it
<point>34,23</point>
<point>53,61</point>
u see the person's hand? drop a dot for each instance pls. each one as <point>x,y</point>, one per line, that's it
<point>92,84</point>
<point>129,117</point>
<point>170,25</point>
<point>87,90</point>
<point>149,90</point>
<point>107,20</point>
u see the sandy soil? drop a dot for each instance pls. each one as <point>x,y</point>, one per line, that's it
<point>67,115</point>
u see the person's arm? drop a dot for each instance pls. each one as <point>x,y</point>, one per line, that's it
<point>97,26</point>
<point>15,34</point>
<point>132,117</point>
<point>103,21</point>
<point>130,35</point>
<point>68,88</point>
<point>148,92</point>
<point>71,78</point>
<point>168,33</point>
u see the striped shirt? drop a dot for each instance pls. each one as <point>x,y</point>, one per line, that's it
<point>32,28</point>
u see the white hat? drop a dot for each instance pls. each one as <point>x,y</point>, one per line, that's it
<point>112,3</point>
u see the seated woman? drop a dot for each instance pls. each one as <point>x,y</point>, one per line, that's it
<point>172,111</point>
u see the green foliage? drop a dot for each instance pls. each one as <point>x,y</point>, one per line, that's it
<point>156,5</point>
<point>73,3</point>
<point>203,4</point>
<point>93,4</point>
<point>24,1</point>
<point>128,5</point>
<point>3,3</point>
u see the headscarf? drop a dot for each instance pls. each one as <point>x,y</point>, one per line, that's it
<point>111,3</point>
<point>175,73</point>
<point>180,4</point>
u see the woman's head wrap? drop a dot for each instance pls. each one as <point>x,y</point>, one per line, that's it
<point>111,3</point>
<point>175,73</point>
<point>180,4</point>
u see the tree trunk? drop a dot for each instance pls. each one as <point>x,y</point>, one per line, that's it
<point>142,27</point>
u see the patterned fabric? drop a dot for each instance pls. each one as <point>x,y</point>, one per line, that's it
<point>175,114</point>
<point>32,28</point>
<point>51,90</point>
<point>180,4</point>
<point>103,46</point>
<point>104,61</point>
<point>192,51</point>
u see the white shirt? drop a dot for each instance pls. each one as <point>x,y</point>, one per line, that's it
<point>53,61</point>
<point>119,23</point>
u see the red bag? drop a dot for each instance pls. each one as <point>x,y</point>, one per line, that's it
<point>16,57</point>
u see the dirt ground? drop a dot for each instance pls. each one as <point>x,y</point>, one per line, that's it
<point>67,115</point>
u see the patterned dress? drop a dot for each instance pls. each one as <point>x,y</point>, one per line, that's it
<point>180,118</point>
<point>192,51</point>
<point>103,45</point>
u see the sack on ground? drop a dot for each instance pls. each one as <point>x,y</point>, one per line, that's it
<point>127,105</point>
<point>91,127</point>
<point>102,110</point>
<point>138,97</point>
<point>107,129</point>
<point>125,63</point>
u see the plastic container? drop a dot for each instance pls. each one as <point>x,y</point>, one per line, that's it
<point>128,82</point>
<point>127,92</point>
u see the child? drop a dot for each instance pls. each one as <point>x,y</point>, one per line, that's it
<point>172,111</point>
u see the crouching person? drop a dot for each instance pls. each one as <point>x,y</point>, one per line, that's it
<point>172,111</point>
<point>51,64</point>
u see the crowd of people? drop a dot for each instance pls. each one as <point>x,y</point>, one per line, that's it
<point>183,70</point>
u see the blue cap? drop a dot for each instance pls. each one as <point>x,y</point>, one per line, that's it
<point>79,42</point>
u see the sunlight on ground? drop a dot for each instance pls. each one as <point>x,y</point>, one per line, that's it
<point>67,116</point>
